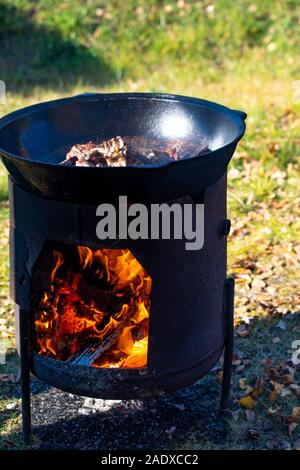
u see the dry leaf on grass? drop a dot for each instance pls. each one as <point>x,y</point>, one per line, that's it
<point>259,386</point>
<point>287,379</point>
<point>247,402</point>
<point>267,362</point>
<point>273,395</point>
<point>267,425</point>
<point>250,415</point>
<point>273,410</point>
<point>258,284</point>
<point>8,378</point>
<point>276,340</point>
<point>281,324</point>
<point>243,384</point>
<point>296,445</point>
<point>295,389</point>
<point>170,431</point>
<point>253,434</point>
<point>292,428</point>
<point>242,331</point>
<point>219,376</point>
<point>296,413</point>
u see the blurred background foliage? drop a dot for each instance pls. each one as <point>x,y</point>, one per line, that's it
<point>139,37</point>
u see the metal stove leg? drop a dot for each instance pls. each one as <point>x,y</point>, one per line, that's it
<point>25,374</point>
<point>228,350</point>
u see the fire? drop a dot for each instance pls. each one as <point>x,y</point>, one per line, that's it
<point>96,308</point>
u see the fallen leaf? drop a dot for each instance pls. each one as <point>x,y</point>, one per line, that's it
<point>11,406</point>
<point>273,373</point>
<point>285,445</point>
<point>259,386</point>
<point>247,402</point>
<point>295,389</point>
<point>287,379</point>
<point>273,147</point>
<point>242,331</point>
<point>233,173</point>
<point>243,383</point>
<point>278,444</point>
<point>281,324</point>
<point>276,340</point>
<point>235,415</point>
<point>236,362</point>
<point>273,410</point>
<point>180,406</point>
<point>278,387</point>
<point>292,428</point>
<point>296,445</point>
<point>271,445</point>
<point>219,376</point>
<point>250,415</point>
<point>258,284</point>
<point>296,413</point>
<point>273,395</point>
<point>285,392</point>
<point>253,434</point>
<point>271,290</point>
<point>7,378</point>
<point>171,430</point>
<point>267,425</point>
<point>268,362</point>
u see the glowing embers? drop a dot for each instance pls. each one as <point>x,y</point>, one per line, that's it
<point>91,306</point>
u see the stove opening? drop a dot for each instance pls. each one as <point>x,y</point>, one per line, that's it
<point>91,306</point>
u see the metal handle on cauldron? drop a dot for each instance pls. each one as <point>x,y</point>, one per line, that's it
<point>241,114</point>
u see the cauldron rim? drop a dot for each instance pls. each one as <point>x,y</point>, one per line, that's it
<point>237,116</point>
<point>148,184</point>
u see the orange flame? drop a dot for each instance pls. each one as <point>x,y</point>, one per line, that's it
<point>95,296</point>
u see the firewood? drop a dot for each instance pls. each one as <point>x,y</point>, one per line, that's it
<point>93,352</point>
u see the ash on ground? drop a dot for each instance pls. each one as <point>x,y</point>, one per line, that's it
<point>65,421</point>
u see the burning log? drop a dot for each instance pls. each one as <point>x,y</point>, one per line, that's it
<point>94,352</point>
<point>95,308</point>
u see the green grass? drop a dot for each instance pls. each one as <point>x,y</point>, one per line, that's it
<point>3,184</point>
<point>135,38</point>
<point>256,350</point>
<point>242,54</point>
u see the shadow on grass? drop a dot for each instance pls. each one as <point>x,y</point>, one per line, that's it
<point>34,55</point>
<point>140,424</point>
<point>3,185</point>
<point>11,389</point>
<point>186,419</point>
<point>157,423</point>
